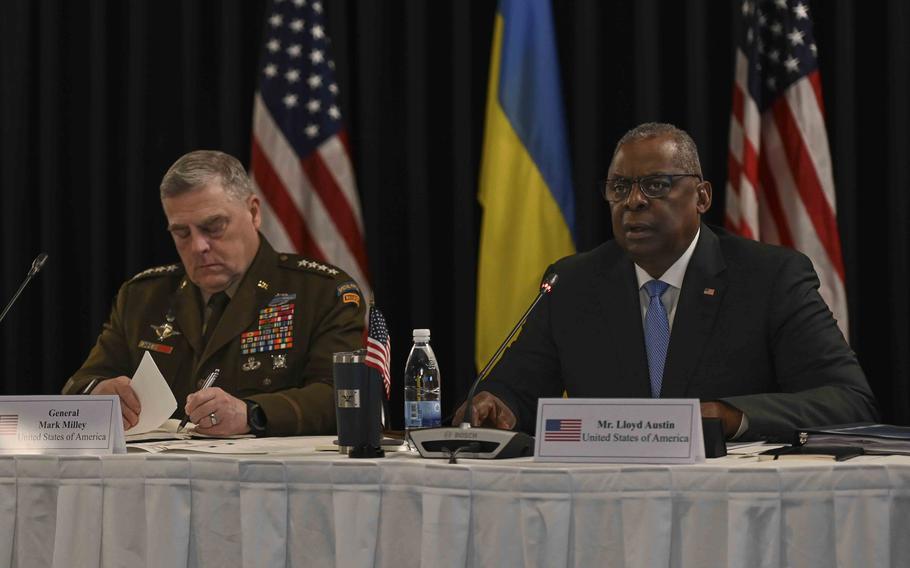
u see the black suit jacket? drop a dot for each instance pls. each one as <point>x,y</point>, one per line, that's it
<point>750,329</point>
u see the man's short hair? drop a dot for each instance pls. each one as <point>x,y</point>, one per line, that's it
<point>203,167</point>
<point>686,151</point>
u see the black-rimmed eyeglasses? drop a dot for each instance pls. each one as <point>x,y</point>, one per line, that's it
<point>654,186</point>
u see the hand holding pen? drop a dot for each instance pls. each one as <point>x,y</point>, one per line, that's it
<point>217,413</point>
<point>209,381</point>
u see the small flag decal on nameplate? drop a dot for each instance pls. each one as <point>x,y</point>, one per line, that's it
<point>563,430</point>
<point>9,424</point>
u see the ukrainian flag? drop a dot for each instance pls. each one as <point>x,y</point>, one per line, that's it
<point>525,174</point>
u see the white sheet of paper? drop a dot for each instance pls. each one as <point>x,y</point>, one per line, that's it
<point>155,396</point>
<point>271,446</point>
<point>168,431</point>
<point>201,446</point>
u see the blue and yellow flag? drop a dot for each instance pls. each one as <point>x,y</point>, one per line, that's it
<point>525,176</point>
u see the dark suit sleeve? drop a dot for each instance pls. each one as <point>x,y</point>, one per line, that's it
<point>309,408</point>
<point>110,357</point>
<point>817,372</point>
<point>529,369</point>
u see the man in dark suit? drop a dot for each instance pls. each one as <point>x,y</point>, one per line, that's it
<point>673,308</point>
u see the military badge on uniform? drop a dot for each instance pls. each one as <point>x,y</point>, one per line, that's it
<point>313,265</point>
<point>275,330</point>
<point>157,347</point>
<point>279,361</point>
<point>251,364</point>
<point>349,293</point>
<point>282,299</point>
<point>165,330</point>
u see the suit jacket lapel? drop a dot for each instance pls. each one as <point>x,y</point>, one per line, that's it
<point>254,291</point>
<point>618,294</point>
<point>699,301</point>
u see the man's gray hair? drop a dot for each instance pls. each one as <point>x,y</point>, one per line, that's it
<point>203,167</point>
<point>686,151</point>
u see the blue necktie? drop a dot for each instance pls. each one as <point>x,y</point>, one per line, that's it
<point>657,334</point>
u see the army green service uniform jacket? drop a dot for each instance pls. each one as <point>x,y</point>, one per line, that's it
<point>273,344</point>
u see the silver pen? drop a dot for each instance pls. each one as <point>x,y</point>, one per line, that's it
<point>209,381</point>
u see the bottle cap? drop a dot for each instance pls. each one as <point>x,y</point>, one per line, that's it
<point>422,334</point>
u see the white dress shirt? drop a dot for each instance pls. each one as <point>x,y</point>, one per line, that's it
<point>673,276</point>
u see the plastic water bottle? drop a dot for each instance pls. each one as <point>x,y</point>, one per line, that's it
<point>422,408</point>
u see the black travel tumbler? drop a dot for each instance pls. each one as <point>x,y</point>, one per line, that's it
<point>358,404</point>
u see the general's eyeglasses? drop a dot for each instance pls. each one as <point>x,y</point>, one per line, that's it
<point>654,186</point>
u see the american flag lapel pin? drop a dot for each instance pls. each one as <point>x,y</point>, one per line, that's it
<point>709,291</point>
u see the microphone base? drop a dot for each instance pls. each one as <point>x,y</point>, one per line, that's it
<point>475,443</point>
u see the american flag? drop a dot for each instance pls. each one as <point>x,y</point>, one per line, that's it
<point>562,430</point>
<point>379,348</point>
<point>9,424</point>
<point>300,160</point>
<point>781,185</point>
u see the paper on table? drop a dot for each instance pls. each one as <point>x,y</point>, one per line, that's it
<point>166,431</point>
<point>203,446</point>
<point>750,448</point>
<point>169,431</point>
<point>273,446</point>
<point>155,396</point>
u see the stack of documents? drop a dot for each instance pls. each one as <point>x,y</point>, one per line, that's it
<point>874,439</point>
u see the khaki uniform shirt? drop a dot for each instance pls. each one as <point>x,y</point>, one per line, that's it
<point>273,344</point>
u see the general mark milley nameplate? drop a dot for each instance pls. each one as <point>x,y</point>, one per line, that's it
<point>61,425</point>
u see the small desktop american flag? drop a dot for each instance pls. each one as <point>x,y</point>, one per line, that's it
<point>379,347</point>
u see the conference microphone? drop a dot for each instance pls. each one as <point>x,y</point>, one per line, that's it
<point>37,265</point>
<point>484,443</point>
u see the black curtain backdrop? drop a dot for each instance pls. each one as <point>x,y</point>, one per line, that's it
<point>97,99</point>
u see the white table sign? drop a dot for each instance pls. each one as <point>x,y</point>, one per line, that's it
<point>61,424</point>
<point>619,430</point>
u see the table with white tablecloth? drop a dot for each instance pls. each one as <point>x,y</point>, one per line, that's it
<point>322,509</point>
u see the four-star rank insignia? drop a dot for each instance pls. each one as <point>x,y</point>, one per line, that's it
<point>318,266</point>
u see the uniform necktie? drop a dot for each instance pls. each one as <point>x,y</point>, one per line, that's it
<point>657,334</point>
<point>218,302</point>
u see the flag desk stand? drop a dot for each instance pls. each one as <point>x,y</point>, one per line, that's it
<point>453,442</point>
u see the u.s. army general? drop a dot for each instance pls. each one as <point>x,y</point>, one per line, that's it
<point>270,322</point>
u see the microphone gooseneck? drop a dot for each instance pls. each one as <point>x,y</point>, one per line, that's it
<point>545,288</point>
<point>37,265</point>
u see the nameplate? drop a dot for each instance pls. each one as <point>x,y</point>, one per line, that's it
<point>61,425</point>
<point>619,430</point>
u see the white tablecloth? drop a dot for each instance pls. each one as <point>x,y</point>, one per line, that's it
<point>323,510</point>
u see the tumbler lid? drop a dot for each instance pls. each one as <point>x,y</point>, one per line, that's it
<point>349,356</point>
